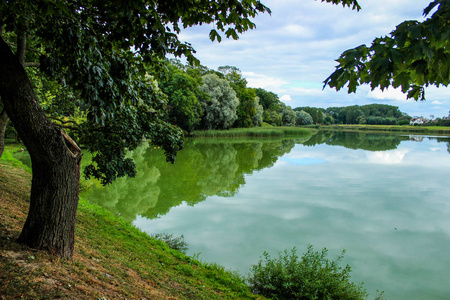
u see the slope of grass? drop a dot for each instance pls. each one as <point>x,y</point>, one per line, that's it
<point>112,259</point>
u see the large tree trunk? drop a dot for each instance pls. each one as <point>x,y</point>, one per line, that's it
<point>4,119</point>
<point>3,122</point>
<point>55,162</point>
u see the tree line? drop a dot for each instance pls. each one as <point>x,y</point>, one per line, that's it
<point>373,114</point>
<point>199,98</point>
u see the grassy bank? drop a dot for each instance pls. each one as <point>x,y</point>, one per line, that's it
<point>259,132</point>
<point>390,128</point>
<point>112,259</point>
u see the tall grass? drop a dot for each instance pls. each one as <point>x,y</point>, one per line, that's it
<point>254,132</point>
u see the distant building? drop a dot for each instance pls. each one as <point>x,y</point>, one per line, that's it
<point>417,121</point>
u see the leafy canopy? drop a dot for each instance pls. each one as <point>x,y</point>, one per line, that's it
<point>414,56</point>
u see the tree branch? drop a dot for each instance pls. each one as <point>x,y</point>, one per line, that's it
<point>31,64</point>
<point>21,48</point>
<point>63,124</point>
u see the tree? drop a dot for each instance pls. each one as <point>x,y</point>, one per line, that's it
<point>288,115</point>
<point>316,113</point>
<point>248,101</point>
<point>220,108</point>
<point>414,56</point>
<point>101,49</point>
<point>247,108</point>
<point>271,105</point>
<point>4,119</point>
<point>257,118</point>
<point>183,108</point>
<point>303,118</point>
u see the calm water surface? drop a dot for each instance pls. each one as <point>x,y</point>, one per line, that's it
<point>383,198</point>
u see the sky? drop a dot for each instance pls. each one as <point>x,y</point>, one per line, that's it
<point>293,50</point>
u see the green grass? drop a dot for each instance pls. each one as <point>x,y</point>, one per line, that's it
<point>265,131</point>
<point>16,155</point>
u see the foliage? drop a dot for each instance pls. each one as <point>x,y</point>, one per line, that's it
<point>316,113</point>
<point>248,108</point>
<point>313,276</point>
<point>414,56</point>
<point>257,118</point>
<point>303,118</point>
<point>183,107</point>
<point>268,100</point>
<point>380,114</point>
<point>382,121</point>
<point>220,108</point>
<point>271,105</point>
<point>288,115</point>
<point>176,243</point>
<point>249,113</point>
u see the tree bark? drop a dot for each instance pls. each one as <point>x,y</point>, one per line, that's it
<point>3,122</point>
<point>55,159</point>
<point>4,119</point>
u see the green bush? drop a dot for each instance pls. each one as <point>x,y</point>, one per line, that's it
<point>177,243</point>
<point>312,276</point>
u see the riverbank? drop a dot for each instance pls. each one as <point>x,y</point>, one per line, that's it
<point>387,128</point>
<point>112,260</point>
<point>260,132</point>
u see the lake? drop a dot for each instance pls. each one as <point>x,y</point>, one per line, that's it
<point>385,198</point>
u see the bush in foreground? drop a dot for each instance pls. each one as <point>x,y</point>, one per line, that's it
<point>312,276</point>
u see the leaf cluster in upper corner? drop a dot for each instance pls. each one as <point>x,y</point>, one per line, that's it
<point>414,56</point>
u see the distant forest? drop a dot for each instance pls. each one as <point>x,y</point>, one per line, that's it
<point>373,114</point>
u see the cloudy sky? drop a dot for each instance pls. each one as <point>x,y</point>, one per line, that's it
<point>292,51</point>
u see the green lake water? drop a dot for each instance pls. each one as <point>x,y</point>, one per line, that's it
<point>384,198</point>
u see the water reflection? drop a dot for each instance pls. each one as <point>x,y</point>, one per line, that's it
<point>357,140</point>
<point>203,168</point>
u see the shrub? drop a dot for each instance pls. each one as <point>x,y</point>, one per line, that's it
<point>177,243</point>
<point>312,276</point>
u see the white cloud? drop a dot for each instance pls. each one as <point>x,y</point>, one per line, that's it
<point>437,102</point>
<point>266,82</point>
<point>285,98</point>
<point>387,157</point>
<point>391,93</point>
<point>296,31</point>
